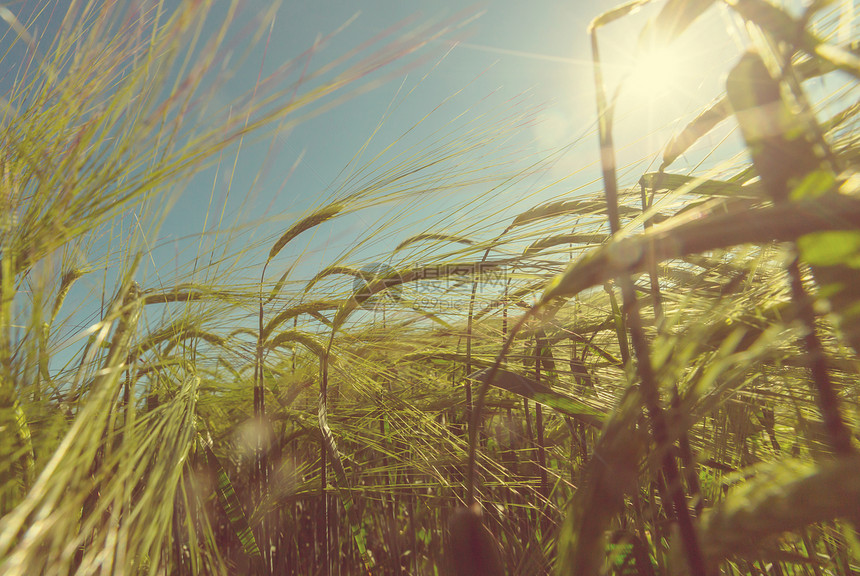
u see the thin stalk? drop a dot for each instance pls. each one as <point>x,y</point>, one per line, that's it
<point>648,382</point>
<point>481,400</point>
<point>828,401</point>
<point>260,457</point>
<point>540,343</point>
<point>323,526</point>
<point>543,519</point>
<point>469,326</point>
<point>690,473</point>
<point>656,294</point>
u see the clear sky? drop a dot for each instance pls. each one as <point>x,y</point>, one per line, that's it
<point>531,53</point>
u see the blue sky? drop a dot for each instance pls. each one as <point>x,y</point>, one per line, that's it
<point>536,54</point>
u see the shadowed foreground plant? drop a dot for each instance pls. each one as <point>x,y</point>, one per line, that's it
<point>790,170</point>
<point>473,549</point>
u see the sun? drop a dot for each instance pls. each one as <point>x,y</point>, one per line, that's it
<point>656,71</point>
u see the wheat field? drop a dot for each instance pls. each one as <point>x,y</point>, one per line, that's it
<point>657,375</point>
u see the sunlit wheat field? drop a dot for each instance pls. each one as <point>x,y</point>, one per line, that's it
<point>412,296</point>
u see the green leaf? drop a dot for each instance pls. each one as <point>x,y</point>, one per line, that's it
<point>815,184</point>
<point>835,260</point>
<point>831,248</point>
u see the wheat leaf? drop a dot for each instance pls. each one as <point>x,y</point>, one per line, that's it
<point>781,497</point>
<point>675,17</point>
<point>707,229</point>
<point>583,239</point>
<point>230,504</point>
<point>543,394</point>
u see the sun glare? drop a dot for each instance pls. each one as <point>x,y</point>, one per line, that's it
<point>655,72</point>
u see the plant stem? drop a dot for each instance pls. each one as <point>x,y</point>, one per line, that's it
<point>648,382</point>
